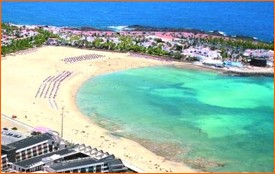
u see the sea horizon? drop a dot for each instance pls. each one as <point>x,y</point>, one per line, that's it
<point>164,102</point>
<point>234,19</point>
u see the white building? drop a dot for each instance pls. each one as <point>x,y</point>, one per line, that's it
<point>202,53</point>
<point>260,53</point>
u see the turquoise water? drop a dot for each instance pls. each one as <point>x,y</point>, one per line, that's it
<point>210,121</point>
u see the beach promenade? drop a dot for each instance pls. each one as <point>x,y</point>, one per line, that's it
<point>33,83</point>
<point>9,122</point>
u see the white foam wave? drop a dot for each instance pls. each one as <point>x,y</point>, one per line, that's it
<point>117,28</point>
<point>222,33</point>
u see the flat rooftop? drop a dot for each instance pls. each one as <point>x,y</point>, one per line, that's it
<point>5,149</point>
<point>113,164</point>
<point>73,163</point>
<point>10,136</point>
<point>31,140</point>
<point>32,161</point>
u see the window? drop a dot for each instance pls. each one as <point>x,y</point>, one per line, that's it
<point>83,170</point>
<point>50,148</point>
<point>90,169</point>
<point>98,169</point>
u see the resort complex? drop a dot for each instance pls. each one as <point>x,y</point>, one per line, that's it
<point>49,152</point>
<point>108,88</point>
<point>209,49</point>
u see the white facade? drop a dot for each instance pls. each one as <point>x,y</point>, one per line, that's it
<point>202,53</point>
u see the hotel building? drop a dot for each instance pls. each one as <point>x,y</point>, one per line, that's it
<point>47,152</point>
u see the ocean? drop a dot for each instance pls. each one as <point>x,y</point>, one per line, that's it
<point>210,121</point>
<point>253,19</point>
<point>224,122</point>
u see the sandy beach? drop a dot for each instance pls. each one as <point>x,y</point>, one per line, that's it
<point>10,123</point>
<point>23,74</point>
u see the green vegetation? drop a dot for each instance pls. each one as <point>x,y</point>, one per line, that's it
<point>239,43</point>
<point>126,44</point>
<point>75,38</point>
<point>25,43</point>
<point>230,47</point>
<point>8,28</point>
<point>35,133</point>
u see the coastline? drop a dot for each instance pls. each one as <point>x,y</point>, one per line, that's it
<point>152,29</point>
<point>178,166</point>
<point>160,87</point>
<point>78,127</point>
<point>251,71</point>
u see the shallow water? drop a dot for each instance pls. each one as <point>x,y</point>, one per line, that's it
<point>212,122</point>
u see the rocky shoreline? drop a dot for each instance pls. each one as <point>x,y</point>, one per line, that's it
<point>250,73</point>
<point>141,28</point>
